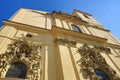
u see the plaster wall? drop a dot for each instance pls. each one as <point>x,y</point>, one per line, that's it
<point>31,17</point>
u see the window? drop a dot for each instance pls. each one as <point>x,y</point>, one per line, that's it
<point>101,74</point>
<point>75,28</point>
<point>17,70</point>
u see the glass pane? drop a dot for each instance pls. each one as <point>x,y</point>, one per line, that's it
<point>102,75</point>
<point>17,70</point>
<point>75,28</point>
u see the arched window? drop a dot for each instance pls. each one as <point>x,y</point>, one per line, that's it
<point>17,70</point>
<point>75,28</point>
<point>101,74</point>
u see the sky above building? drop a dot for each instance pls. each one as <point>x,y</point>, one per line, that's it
<point>107,12</point>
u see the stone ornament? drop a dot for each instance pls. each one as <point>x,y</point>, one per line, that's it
<point>66,41</point>
<point>101,48</point>
<point>24,51</point>
<point>91,59</point>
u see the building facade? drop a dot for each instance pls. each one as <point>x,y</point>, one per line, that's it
<point>37,45</point>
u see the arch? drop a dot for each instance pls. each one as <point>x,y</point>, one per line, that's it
<point>101,74</point>
<point>75,28</point>
<point>17,70</point>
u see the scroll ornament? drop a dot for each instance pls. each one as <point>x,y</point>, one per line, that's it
<point>91,59</point>
<point>24,51</point>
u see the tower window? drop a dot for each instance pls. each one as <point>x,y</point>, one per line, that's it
<point>75,28</point>
<point>17,70</point>
<point>101,74</point>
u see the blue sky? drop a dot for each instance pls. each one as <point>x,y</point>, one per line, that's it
<point>107,12</point>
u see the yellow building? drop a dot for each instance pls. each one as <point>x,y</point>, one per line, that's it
<point>37,45</point>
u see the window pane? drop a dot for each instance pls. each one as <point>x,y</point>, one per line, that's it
<point>17,70</point>
<point>102,75</point>
<point>75,28</point>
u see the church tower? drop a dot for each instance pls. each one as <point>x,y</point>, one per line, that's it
<point>37,45</point>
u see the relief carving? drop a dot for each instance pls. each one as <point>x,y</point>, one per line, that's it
<point>91,59</point>
<point>66,42</point>
<point>24,51</point>
<point>101,48</point>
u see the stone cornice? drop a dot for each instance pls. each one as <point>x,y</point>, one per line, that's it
<point>25,27</point>
<point>74,11</point>
<point>68,17</point>
<point>57,30</point>
<point>113,45</point>
<point>40,13</point>
<point>99,28</point>
<point>71,18</point>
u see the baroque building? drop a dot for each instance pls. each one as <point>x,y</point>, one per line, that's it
<point>37,45</point>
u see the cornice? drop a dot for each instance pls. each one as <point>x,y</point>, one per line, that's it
<point>71,18</point>
<point>25,27</point>
<point>75,10</point>
<point>113,45</point>
<point>41,13</point>
<point>68,17</point>
<point>99,28</point>
<point>57,30</point>
<point>15,14</point>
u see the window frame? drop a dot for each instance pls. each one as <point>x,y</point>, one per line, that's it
<point>76,28</point>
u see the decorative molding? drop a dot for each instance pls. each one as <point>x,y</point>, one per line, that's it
<point>57,30</point>
<point>66,41</point>
<point>26,52</point>
<point>68,17</point>
<point>91,59</point>
<point>25,27</point>
<point>102,48</point>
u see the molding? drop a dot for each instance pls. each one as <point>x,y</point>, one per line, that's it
<point>25,27</point>
<point>55,30</point>
<point>68,17</point>
<point>75,10</point>
<point>45,22</point>
<point>15,14</point>
<point>66,42</point>
<point>58,30</point>
<point>40,12</point>
<point>99,28</point>
<point>71,18</point>
<point>113,45</point>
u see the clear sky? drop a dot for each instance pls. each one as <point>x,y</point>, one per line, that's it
<point>107,12</point>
